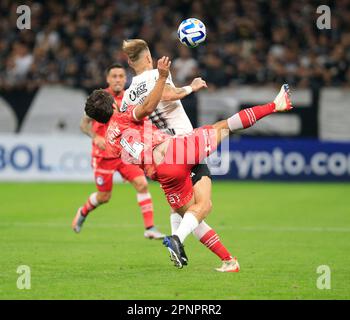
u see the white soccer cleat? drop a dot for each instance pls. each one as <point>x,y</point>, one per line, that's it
<point>153,233</point>
<point>229,266</point>
<point>282,101</point>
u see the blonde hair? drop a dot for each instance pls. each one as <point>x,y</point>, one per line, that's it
<point>134,47</point>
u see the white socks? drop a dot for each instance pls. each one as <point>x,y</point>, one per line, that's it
<point>93,199</point>
<point>143,196</point>
<point>201,230</point>
<point>175,220</point>
<point>188,224</point>
<point>235,123</point>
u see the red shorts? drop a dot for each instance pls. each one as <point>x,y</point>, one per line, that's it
<point>104,169</point>
<point>183,153</point>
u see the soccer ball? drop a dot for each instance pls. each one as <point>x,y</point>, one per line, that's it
<point>191,32</point>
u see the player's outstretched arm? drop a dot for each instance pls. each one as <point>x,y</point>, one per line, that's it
<point>153,99</point>
<point>86,127</point>
<point>172,93</point>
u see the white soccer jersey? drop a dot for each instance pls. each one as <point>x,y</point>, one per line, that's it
<point>169,116</point>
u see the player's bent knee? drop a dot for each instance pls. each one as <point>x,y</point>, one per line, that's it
<point>104,197</point>
<point>142,188</point>
<point>210,206</point>
<point>205,207</point>
<point>141,185</point>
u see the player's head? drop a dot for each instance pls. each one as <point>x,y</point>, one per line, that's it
<point>138,53</point>
<point>116,77</point>
<point>99,106</point>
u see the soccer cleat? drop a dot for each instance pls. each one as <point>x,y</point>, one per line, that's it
<point>153,233</point>
<point>282,101</point>
<point>176,250</point>
<point>78,221</point>
<point>229,266</point>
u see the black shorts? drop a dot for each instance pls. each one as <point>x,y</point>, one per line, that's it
<point>199,171</point>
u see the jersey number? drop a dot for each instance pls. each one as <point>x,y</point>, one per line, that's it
<point>134,150</point>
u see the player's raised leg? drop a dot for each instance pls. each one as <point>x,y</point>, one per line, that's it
<point>192,215</point>
<point>249,116</point>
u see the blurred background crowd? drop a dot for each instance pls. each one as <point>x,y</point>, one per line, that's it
<point>248,42</point>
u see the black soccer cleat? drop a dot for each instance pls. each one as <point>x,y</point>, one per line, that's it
<point>176,250</point>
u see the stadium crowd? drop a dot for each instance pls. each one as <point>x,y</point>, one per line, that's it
<point>255,42</point>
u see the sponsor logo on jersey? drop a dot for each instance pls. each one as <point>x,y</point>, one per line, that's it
<point>139,91</point>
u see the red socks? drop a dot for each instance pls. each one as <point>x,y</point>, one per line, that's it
<point>251,115</point>
<point>247,117</point>
<point>146,205</point>
<point>212,242</point>
<point>90,204</point>
<point>144,200</point>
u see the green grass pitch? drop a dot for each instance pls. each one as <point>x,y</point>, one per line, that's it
<point>280,233</point>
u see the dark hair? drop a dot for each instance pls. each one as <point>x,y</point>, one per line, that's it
<point>99,106</point>
<point>114,65</point>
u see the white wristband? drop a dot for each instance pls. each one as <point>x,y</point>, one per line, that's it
<point>188,89</point>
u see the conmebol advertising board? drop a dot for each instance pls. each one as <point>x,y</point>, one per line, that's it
<point>34,157</point>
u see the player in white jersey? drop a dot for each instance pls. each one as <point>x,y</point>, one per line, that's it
<point>171,117</point>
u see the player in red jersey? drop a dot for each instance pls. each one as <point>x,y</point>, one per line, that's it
<point>170,117</point>
<point>105,165</point>
<point>169,159</point>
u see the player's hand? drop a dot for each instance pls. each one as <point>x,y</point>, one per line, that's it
<point>100,142</point>
<point>163,67</point>
<point>197,84</point>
